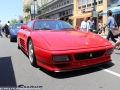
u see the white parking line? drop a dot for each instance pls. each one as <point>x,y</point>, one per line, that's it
<point>111,72</point>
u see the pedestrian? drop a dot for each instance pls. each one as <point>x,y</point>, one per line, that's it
<point>104,28</point>
<point>117,44</point>
<point>77,27</point>
<point>85,25</point>
<point>58,19</point>
<point>8,24</point>
<point>6,30</point>
<point>111,25</point>
<point>1,31</point>
<point>100,26</point>
<point>91,23</point>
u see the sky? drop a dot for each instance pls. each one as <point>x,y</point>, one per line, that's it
<point>10,9</point>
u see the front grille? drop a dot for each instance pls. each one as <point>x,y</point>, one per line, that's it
<point>89,55</point>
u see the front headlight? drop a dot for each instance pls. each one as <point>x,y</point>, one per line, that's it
<point>109,51</point>
<point>61,58</point>
<point>13,31</point>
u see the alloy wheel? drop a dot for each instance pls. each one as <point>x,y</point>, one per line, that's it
<point>31,52</point>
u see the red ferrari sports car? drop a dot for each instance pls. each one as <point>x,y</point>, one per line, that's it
<point>57,46</point>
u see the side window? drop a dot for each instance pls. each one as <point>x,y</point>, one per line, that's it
<point>30,24</point>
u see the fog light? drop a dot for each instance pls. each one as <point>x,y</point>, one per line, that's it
<point>109,51</point>
<point>61,58</point>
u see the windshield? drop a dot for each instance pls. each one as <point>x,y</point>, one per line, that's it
<point>52,25</point>
<point>17,26</point>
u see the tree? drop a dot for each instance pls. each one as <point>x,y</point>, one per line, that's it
<point>41,9</point>
<point>13,21</point>
<point>27,9</point>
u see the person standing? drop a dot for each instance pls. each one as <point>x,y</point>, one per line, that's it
<point>1,29</point>
<point>6,30</point>
<point>8,23</point>
<point>85,25</point>
<point>100,26</point>
<point>77,27</point>
<point>110,24</point>
<point>104,28</point>
<point>58,19</point>
<point>91,23</point>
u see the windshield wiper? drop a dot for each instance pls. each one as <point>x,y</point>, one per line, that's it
<point>43,29</point>
<point>67,28</point>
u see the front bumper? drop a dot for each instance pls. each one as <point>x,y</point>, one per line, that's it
<point>74,69</point>
<point>13,37</point>
<point>71,66</point>
<point>44,59</point>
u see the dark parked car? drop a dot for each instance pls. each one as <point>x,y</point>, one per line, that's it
<point>13,31</point>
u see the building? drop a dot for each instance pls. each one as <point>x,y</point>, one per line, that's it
<point>113,3</point>
<point>57,9</point>
<point>84,8</point>
<point>28,16</point>
<point>25,2</point>
<point>43,2</point>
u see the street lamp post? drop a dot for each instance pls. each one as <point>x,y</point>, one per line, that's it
<point>34,8</point>
<point>26,19</point>
<point>95,16</point>
<point>95,4</point>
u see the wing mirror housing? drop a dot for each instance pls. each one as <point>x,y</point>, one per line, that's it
<point>23,27</point>
<point>26,27</point>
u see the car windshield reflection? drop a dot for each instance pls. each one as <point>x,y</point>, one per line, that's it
<point>42,29</point>
<point>52,25</point>
<point>17,26</point>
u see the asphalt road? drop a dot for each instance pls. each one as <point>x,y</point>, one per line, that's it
<point>15,70</point>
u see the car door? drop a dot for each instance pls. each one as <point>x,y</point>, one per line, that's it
<point>20,38</point>
<point>27,33</point>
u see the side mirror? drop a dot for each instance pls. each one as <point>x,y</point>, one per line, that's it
<point>26,27</point>
<point>23,27</point>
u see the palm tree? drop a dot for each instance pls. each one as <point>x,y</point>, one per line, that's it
<point>27,9</point>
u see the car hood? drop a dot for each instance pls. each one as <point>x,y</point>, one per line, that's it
<point>15,30</point>
<point>66,40</point>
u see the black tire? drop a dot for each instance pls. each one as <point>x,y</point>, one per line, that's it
<point>31,54</point>
<point>18,46</point>
<point>10,39</point>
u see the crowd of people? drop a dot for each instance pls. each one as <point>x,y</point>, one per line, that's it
<point>4,30</point>
<point>88,25</point>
